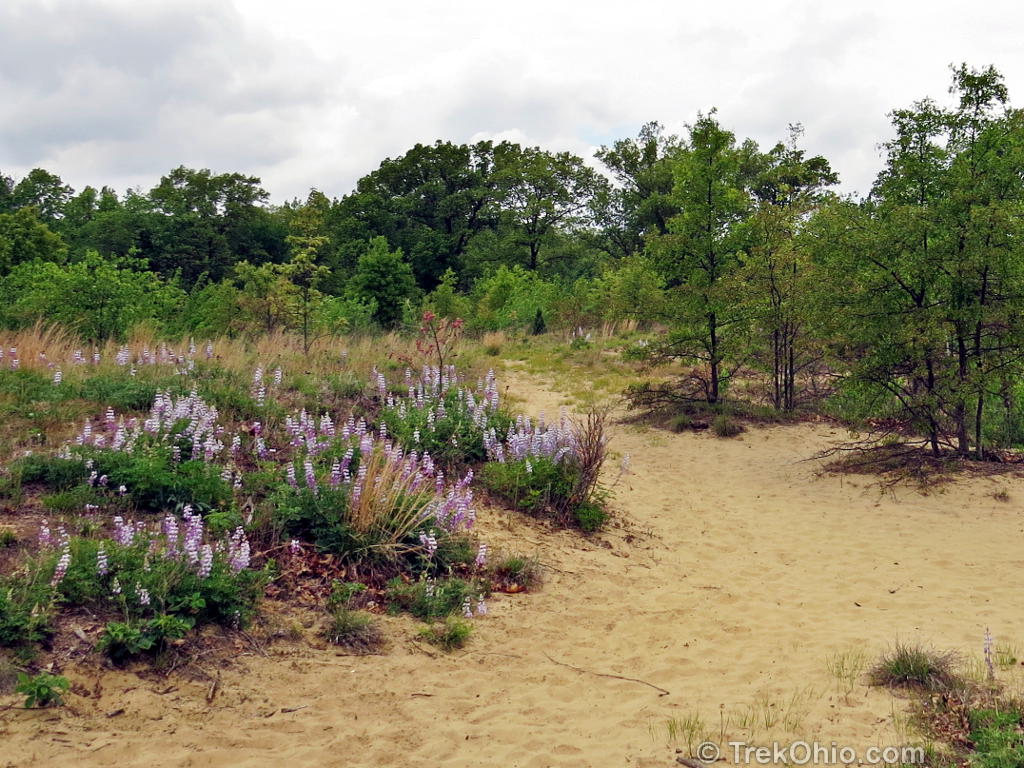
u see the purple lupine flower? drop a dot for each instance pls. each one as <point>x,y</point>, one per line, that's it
<point>310,476</point>
<point>171,535</point>
<point>45,537</point>
<point>142,594</point>
<point>290,474</point>
<point>467,609</point>
<point>193,534</point>
<point>101,561</point>
<point>429,542</point>
<point>122,490</point>
<point>481,555</point>
<point>115,586</point>
<point>481,606</point>
<point>58,377</point>
<point>238,551</point>
<point>295,547</point>
<point>205,561</point>
<point>62,568</point>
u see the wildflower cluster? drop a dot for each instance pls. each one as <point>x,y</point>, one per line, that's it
<point>438,413</point>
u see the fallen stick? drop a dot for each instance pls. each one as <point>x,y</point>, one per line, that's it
<point>661,691</point>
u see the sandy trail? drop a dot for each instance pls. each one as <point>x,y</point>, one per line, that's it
<point>735,572</point>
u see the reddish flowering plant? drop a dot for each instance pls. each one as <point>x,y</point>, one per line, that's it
<point>437,338</point>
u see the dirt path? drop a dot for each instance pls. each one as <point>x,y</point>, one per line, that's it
<point>735,572</point>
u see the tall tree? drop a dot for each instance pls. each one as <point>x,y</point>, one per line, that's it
<point>640,201</point>
<point>700,255</point>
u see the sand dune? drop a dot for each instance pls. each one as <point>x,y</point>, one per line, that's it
<point>734,572</point>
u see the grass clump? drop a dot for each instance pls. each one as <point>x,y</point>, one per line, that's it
<point>724,425</point>
<point>451,634</point>
<point>355,631</point>
<point>914,666</point>
<point>517,572</point>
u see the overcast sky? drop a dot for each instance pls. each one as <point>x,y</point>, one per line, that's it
<point>307,93</point>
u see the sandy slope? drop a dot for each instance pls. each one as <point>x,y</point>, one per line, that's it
<point>736,572</point>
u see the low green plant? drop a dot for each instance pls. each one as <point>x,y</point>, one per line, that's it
<point>26,610</point>
<point>846,667</point>
<point>356,631</point>
<point>681,422</point>
<point>123,640</point>
<point>517,570</point>
<point>998,738</point>
<point>430,599</point>
<point>451,634</point>
<point>42,690</point>
<point>8,538</point>
<point>725,425</point>
<point>914,666</point>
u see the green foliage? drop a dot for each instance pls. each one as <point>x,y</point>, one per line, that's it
<point>590,516</point>
<point>511,298</point>
<point>54,473</point>
<point>96,297</point>
<point>454,439</point>
<point>155,482</point>
<point>42,690</point>
<point>25,611</point>
<point>355,631</point>
<point>430,599</point>
<point>534,485</point>
<point>383,277</point>
<point>449,635</point>
<point>24,238</point>
<point>121,641</point>
<point>998,738</point>
<point>173,587</point>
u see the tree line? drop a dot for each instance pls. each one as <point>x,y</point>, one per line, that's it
<point>906,301</point>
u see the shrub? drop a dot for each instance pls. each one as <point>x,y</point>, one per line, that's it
<point>680,422</point>
<point>149,571</point>
<point>913,666</point>
<point>725,426</point>
<point>357,632</point>
<point>375,500</point>
<point>55,473</point>
<point>42,690</point>
<point>450,635</point>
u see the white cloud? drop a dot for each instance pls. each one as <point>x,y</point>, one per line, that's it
<point>307,93</point>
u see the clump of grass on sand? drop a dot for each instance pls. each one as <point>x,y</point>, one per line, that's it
<point>915,666</point>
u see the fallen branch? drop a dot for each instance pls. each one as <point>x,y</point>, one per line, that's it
<point>661,691</point>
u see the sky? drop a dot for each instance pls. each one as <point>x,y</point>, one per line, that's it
<point>314,94</point>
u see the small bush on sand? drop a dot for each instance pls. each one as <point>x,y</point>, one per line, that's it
<point>725,426</point>
<point>516,572</point>
<point>450,635</point>
<point>914,666</point>
<point>355,631</point>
